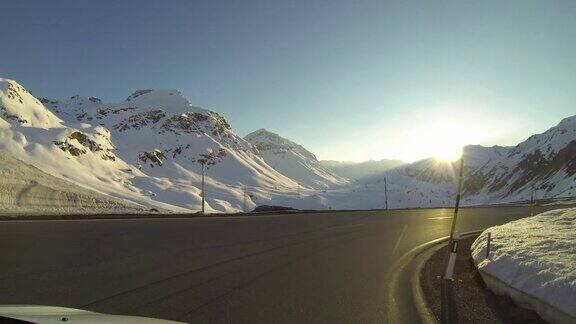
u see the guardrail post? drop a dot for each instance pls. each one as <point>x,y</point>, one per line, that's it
<point>448,312</point>
<point>452,257</point>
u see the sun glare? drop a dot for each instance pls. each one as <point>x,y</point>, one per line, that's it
<point>447,138</point>
<point>448,153</point>
<point>441,139</point>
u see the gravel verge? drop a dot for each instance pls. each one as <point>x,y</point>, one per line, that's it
<point>474,302</point>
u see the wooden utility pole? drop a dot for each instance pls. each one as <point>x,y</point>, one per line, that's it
<point>458,194</point>
<point>245,198</point>
<point>203,192</point>
<point>385,194</point>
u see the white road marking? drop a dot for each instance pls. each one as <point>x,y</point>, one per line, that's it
<point>440,217</point>
<point>399,239</point>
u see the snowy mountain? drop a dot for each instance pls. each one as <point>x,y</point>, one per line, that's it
<point>545,163</point>
<point>83,155</point>
<point>176,133</point>
<point>148,149</point>
<point>360,170</point>
<point>19,107</point>
<point>293,160</point>
<point>544,166</point>
<point>167,138</point>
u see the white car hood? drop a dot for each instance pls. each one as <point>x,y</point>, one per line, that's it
<point>50,314</point>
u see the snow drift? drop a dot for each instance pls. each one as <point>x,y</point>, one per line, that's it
<point>26,189</point>
<point>534,261</point>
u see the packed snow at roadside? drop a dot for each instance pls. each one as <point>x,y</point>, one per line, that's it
<point>25,190</point>
<point>535,255</point>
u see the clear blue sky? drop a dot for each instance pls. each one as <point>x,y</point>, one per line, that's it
<point>350,80</point>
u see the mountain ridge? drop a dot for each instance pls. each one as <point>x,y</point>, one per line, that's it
<point>293,160</point>
<point>149,149</point>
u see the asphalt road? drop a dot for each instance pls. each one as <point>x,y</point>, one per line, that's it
<point>325,268</point>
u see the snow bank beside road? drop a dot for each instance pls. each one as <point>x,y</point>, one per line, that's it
<point>534,257</point>
<point>26,190</point>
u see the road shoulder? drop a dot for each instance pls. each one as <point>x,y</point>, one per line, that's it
<point>475,303</point>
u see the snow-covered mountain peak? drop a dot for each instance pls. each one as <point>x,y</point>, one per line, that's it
<point>292,159</point>
<point>169,100</point>
<point>159,111</point>
<point>477,155</point>
<point>74,108</point>
<point>548,143</point>
<point>568,123</point>
<point>148,148</point>
<point>266,140</point>
<point>18,105</point>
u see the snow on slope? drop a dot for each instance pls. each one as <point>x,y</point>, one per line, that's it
<point>293,160</point>
<point>545,162</point>
<point>26,189</point>
<point>18,105</point>
<point>403,192</point>
<point>164,140</point>
<point>492,175</point>
<point>477,156</point>
<point>149,149</point>
<point>535,255</point>
<point>84,155</point>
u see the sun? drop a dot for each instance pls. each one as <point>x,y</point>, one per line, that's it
<point>442,139</point>
<point>448,153</point>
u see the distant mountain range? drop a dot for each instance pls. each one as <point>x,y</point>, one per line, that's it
<point>359,171</point>
<point>149,150</point>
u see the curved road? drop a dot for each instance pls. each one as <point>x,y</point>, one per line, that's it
<point>324,268</point>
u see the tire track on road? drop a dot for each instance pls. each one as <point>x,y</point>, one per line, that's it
<point>207,267</point>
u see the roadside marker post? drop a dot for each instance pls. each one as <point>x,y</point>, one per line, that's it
<point>452,258</point>
<point>448,310</point>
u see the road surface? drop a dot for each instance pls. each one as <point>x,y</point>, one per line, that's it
<point>304,268</point>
